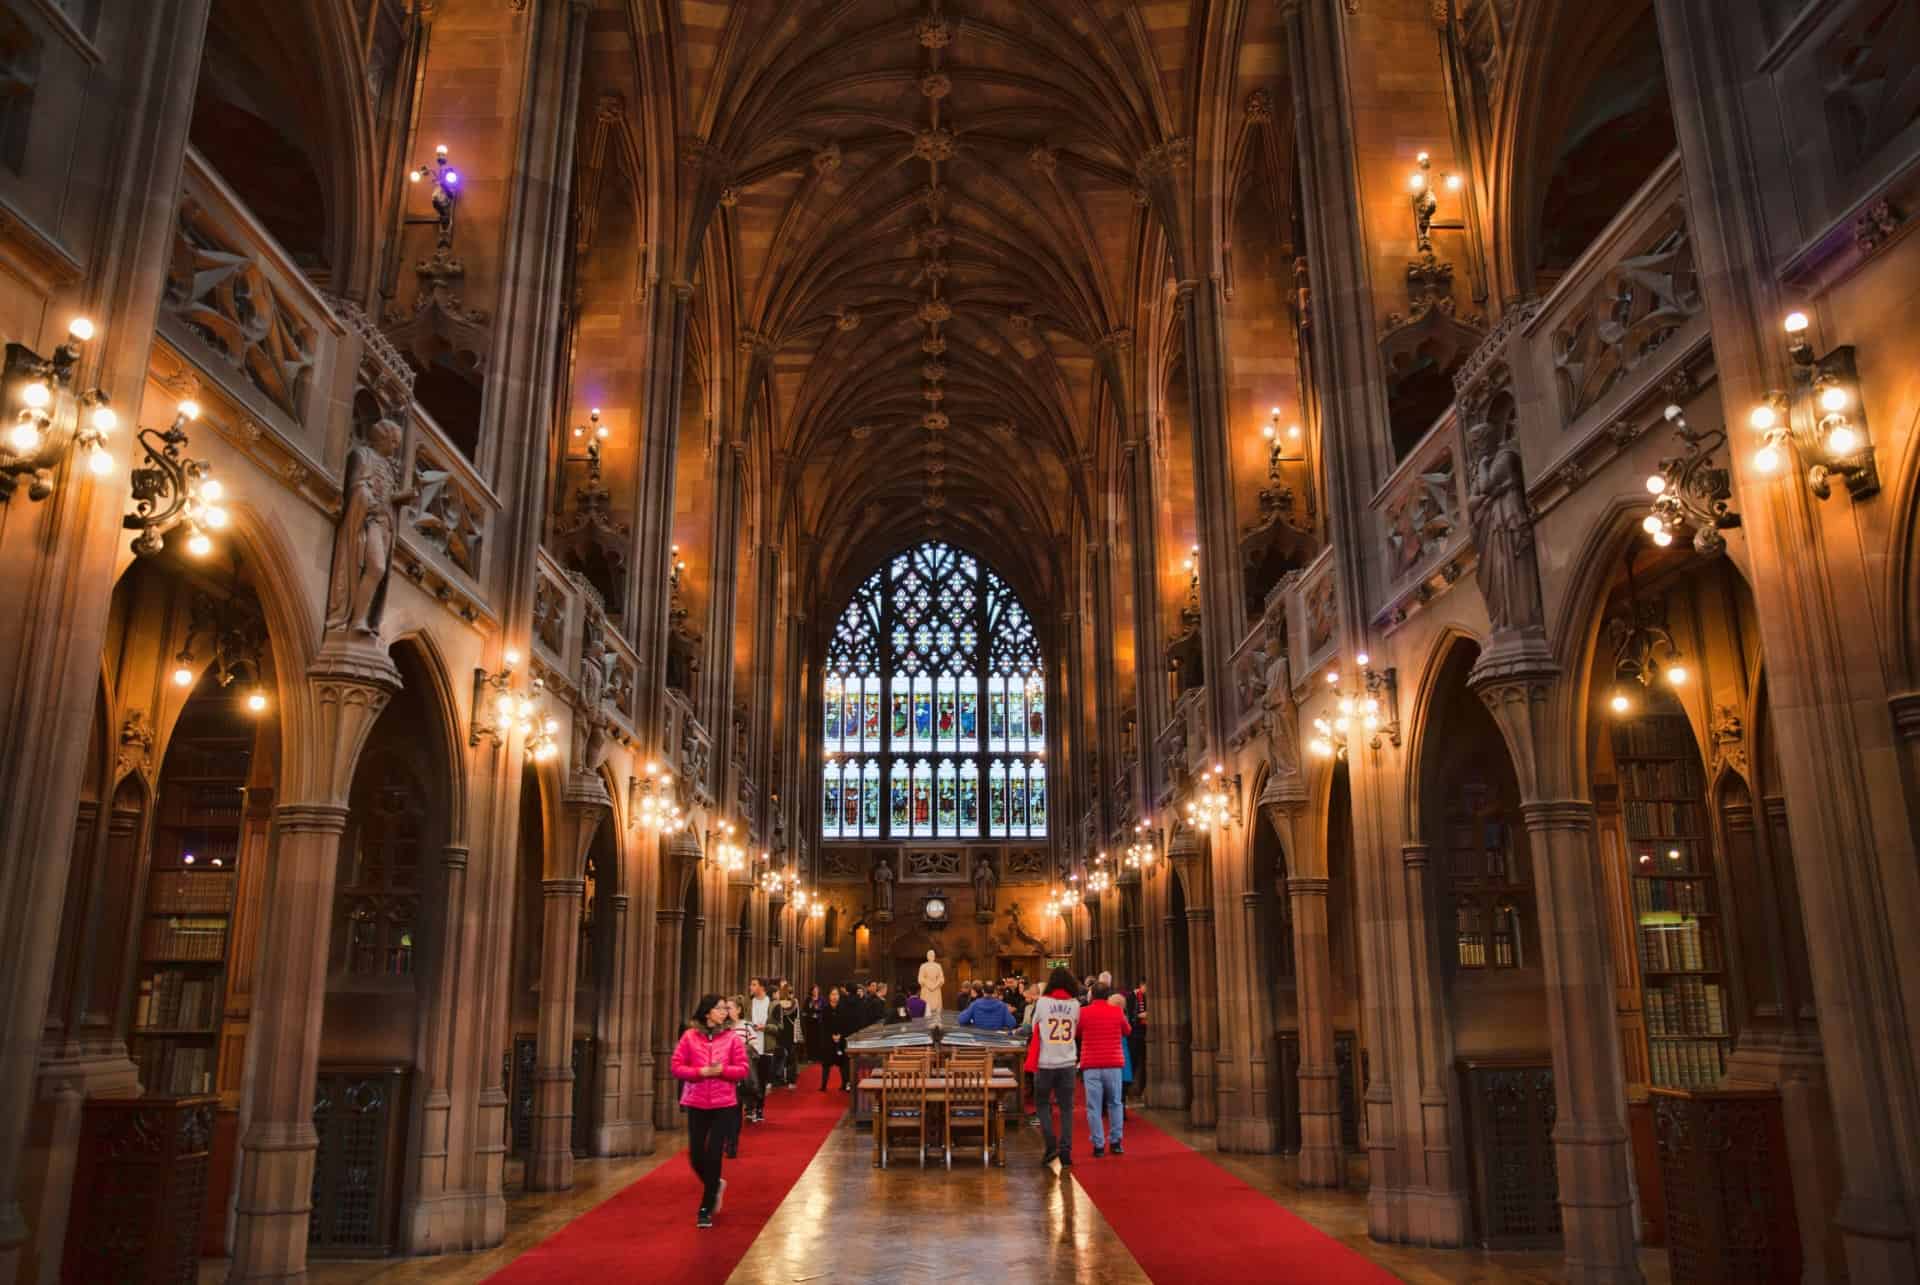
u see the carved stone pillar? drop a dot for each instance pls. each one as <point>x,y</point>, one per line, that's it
<point>1321,1161</point>
<point>350,684</point>
<point>1204,1014</point>
<point>1446,1217</point>
<point>550,1167</point>
<point>420,1226</point>
<point>671,924</point>
<point>613,1135</point>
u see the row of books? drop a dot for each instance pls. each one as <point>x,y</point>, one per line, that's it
<point>1663,736</point>
<point>1661,779</point>
<point>1687,896</point>
<point>168,1069</point>
<point>214,801</point>
<point>173,1000</point>
<point>1687,1064</point>
<point>202,892</point>
<point>1679,947</point>
<point>1645,818</point>
<point>184,939</point>
<point>187,759</point>
<point>1687,1006</point>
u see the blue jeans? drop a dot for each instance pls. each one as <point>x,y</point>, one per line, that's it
<point>1103,1087</point>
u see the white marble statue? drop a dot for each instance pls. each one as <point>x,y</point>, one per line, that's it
<point>932,981</point>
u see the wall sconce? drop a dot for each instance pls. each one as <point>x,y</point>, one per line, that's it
<point>539,725</point>
<point>1140,853</point>
<point>1062,901</point>
<point>446,193</point>
<point>1690,491</point>
<point>497,711</point>
<point>593,428</point>
<point>676,568</point>
<point>171,490</point>
<point>1212,806</point>
<point>649,803</point>
<point>1373,704</point>
<point>817,910</point>
<point>1192,567</point>
<point>771,881</point>
<point>42,428</point>
<point>1099,879</point>
<point>1822,417</point>
<point>726,854</point>
<point>1426,204</point>
<point>1280,442</point>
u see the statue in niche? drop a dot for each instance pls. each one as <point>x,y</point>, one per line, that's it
<point>363,544</point>
<point>598,663</point>
<point>984,886</point>
<point>883,886</point>
<point>1503,531</point>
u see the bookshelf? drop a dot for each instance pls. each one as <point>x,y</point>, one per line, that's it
<point>184,930</point>
<point>1687,1001</point>
<point>1487,880</point>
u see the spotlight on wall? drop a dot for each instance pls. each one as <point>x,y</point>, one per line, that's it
<point>48,418</point>
<point>1820,417</point>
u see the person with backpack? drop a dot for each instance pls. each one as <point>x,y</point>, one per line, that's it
<point>710,1061</point>
<point>1053,1056</point>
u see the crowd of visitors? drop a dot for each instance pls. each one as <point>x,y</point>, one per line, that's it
<point>738,1049</point>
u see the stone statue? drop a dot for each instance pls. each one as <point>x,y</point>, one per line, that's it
<point>932,981</point>
<point>883,886</point>
<point>1503,532</point>
<point>983,884</point>
<point>363,544</point>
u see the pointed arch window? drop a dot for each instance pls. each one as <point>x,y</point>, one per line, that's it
<point>935,705</point>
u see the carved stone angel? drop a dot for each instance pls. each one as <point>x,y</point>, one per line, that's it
<point>363,543</point>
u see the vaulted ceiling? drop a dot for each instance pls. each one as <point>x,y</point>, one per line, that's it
<point>932,223</point>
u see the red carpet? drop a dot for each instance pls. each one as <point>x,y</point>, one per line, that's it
<point>1187,1219</point>
<point>647,1233</point>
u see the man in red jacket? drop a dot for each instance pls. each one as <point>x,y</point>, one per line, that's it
<point>1103,1032</point>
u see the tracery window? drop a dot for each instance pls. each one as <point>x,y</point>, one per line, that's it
<point>935,706</point>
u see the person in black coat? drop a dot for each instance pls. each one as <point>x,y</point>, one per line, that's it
<point>843,1017</point>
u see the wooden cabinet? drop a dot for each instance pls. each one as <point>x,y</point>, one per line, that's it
<point>1729,1187</point>
<point>360,1114</point>
<point>1509,1108</point>
<point>139,1190</point>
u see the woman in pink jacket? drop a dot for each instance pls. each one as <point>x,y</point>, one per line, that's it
<point>711,1060</point>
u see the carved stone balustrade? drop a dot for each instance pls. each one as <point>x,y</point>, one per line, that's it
<point>1422,512</point>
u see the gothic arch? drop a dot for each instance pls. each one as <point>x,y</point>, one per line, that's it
<point>1431,690</point>
<point>449,738</point>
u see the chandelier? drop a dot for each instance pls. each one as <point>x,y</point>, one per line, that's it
<point>728,855</point>
<point>1643,648</point>
<point>1140,852</point>
<point>652,805</point>
<point>1211,807</point>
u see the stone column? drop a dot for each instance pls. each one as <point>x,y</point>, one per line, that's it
<point>1445,1221</point>
<point>670,923</point>
<point>1518,682</point>
<point>424,1226</point>
<point>349,685</point>
<point>1203,1014</point>
<point>1321,1161</point>
<point>613,1133</point>
<point>584,804</point>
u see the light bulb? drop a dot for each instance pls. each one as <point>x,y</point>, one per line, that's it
<point>182,676</point>
<point>552,725</point>
<point>211,490</point>
<point>1361,659</point>
<point>1453,182</point>
<point>453,178</point>
<point>104,420</point>
<point>413,176</point>
<point>99,462</point>
<point>80,329</point>
<point>1333,677</point>
<point>256,700</point>
<point>1834,398</point>
<point>1267,432</point>
<point>1842,440</point>
<point>24,437</point>
<point>1341,724</point>
<point>1655,484</point>
<point>36,395</point>
<point>505,706</point>
<point>1652,524</point>
<point>511,656</point>
<point>1677,675</point>
<point>1416,181</point>
<point>1620,703</point>
<point>1346,705</point>
<point>1763,417</point>
<point>1767,459</point>
<point>216,517</point>
<point>440,149</point>
<point>187,860</point>
<point>1422,158</point>
<point>1293,430</point>
<point>189,409</point>
<point>199,545</point>
<point>1663,538</point>
<point>1796,323</point>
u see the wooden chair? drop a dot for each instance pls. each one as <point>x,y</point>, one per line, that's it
<point>969,1107</point>
<point>903,1105</point>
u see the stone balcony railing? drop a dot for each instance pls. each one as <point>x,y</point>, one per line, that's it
<point>249,323</point>
<point>1421,514</point>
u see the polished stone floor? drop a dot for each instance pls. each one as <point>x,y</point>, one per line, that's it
<point>847,1222</point>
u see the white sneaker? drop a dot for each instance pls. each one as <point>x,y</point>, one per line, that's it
<point>720,1197</point>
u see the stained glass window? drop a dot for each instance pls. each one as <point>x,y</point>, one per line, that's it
<point>934,695</point>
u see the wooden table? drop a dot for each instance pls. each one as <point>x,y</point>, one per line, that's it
<point>1003,1088</point>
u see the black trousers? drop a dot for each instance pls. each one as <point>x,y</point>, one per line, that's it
<point>763,1072</point>
<point>838,1057</point>
<point>1055,1082</point>
<point>709,1129</point>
